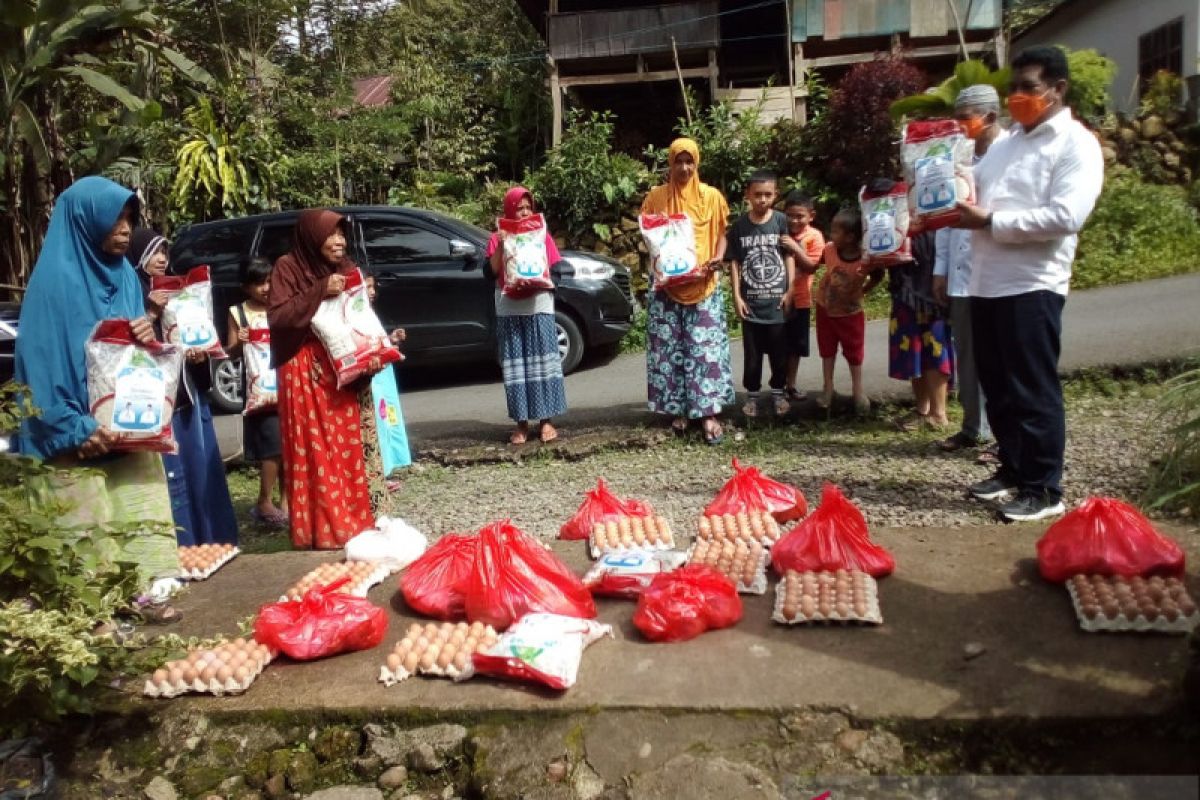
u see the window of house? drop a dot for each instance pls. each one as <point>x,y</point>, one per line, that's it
<point>1161,48</point>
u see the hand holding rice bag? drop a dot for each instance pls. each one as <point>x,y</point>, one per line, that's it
<point>187,319</point>
<point>262,387</point>
<point>885,223</point>
<point>936,155</point>
<point>132,386</point>
<point>671,241</point>
<point>351,333</point>
<point>526,263</point>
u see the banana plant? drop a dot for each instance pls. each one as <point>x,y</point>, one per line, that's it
<point>939,100</point>
<point>49,50</point>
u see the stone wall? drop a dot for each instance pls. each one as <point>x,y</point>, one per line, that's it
<point>1162,148</point>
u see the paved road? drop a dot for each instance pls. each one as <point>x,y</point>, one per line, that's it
<point>1126,324</point>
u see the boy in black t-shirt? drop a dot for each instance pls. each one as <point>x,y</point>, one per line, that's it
<point>764,274</point>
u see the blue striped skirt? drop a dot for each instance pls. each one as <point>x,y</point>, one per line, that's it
<point>533,379</point>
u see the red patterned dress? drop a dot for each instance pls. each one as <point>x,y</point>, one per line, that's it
<point>326,477</point>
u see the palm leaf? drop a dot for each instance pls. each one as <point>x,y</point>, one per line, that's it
<point>105,86</point>
<point>190,69</point>
<point>31,132</point>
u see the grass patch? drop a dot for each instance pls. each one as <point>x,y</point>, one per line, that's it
<point>254,537</point>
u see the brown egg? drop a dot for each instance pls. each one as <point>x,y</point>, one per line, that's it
<point>446,656</point>
<point>428,659</point>
<point>241,675</point>
<point>208,674</point>
<point>411,661</point>
<point>705,527</point>
<point>842,610</point>
<point>1170,610</point>
<point>788,610</point>
<point>1186,607</point>
<point>808,606</point>
<point>160,676</point>
<point>461,660</point>
<point>477,628</point>
<point>394,661</point>
<point>224,673</point>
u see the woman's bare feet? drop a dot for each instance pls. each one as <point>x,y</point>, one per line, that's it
<point>547,432</point>
<point>520,435</point>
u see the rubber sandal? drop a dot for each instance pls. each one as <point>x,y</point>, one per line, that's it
<point>781,406</point>
<point>277,519</point>
<point>989,455</point>
<point>954,443</point>
<point>548,433</point>
<point>518,438</point>
<point>158,614</point>
<point>714,435</point>
<point>679,426</point>
<point>750,408</point>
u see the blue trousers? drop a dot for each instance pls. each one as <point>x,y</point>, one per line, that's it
<point>200,501</point>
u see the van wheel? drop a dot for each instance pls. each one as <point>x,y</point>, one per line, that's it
<point>226,393</point>
<point>570,341</point>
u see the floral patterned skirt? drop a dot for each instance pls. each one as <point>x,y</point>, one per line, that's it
<point>687,357</point>
<point>324,470</point>
<point>918,342</point>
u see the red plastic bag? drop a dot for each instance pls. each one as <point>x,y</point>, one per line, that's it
<point>750,490</point>
<point>324,623</point>
<point>683,604</point>
<point>435,584</point>
<point>1106,537</point>
<point>833,537</point>
<point>515,575</point>
<point>601,505</point>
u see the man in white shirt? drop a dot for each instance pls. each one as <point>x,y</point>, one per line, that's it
<point>977,110</point>
<point>1035,191</point>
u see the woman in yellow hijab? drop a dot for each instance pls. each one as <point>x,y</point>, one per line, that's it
<point>688,375</point>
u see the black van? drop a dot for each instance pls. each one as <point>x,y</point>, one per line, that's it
<point>429,272</point>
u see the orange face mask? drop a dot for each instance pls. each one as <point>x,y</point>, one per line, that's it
<point>973,126</point>
<point>1027,109</point>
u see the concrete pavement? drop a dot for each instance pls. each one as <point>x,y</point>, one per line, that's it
<point>1127,324</point>
<point>951,587</point>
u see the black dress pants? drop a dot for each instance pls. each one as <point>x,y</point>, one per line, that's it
<point>1017,343</point>
<point>758,340</point>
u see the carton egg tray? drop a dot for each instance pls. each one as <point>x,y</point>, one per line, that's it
<point>744,563</point>
<point>630,533</point>
<point>443,649</point>
<point>1116,603</point>
<point>363,575</point>
<point>746,526</point>
<point>200,562</point>
<point>844,596</point>
<point>228,668</point>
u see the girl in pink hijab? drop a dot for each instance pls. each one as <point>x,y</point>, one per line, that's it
<point>529,357</point>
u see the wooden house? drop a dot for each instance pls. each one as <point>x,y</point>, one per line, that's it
<point>634,56</point>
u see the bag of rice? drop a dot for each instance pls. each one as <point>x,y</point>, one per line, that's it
<point>885,223</point>
<point>937,166</point>
<point>672,245</point>
<point>526,265</point>
<point>347,327</point>
<point>262,389</point>
<point>131,386</point>
<point>187,319</point>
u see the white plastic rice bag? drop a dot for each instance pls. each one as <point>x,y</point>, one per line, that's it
<point>393,543</point>
<point>627,573</point>
<point>132,386</point>
<point>671,240</point>
<point>936,155</point>
<point>541,648</point>
<point>347,327</point>
<point>526,264</point>
<point>262,387</point>
<point>885,224</point>
<point>187,319</point>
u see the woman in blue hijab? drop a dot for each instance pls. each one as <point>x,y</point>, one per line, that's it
<point>82,277</point>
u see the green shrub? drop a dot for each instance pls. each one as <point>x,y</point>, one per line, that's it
<point>1138,230</point>
<point>583,185</point>
<point>1175,477</point>
<point>1091,79</point>
<point>732,145</point>
<point>57,586</point>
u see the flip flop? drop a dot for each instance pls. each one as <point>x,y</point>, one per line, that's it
<point>679,426</point>
<point>548,433</point>
<point>278,519</point>
<point>518,438</point>
<point>714,435</point>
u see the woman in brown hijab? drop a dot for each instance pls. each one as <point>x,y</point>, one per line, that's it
<point>325,469</point>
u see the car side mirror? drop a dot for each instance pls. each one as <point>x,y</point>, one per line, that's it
<point>461,249</point>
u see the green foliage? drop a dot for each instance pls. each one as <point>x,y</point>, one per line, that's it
<point>1175,476</point>
<point>1163,94</point>
<point>939,100</point>
<point>58,584</point>
<point>732,145</point>
<point>218,173</point>
<point>582,182</point>
<point>1091,79</point>
<point>1138,230</point>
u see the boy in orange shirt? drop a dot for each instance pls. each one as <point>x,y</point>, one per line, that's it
<point>806,243</point>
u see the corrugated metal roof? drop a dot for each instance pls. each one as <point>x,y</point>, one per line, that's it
<point>373,92</point>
